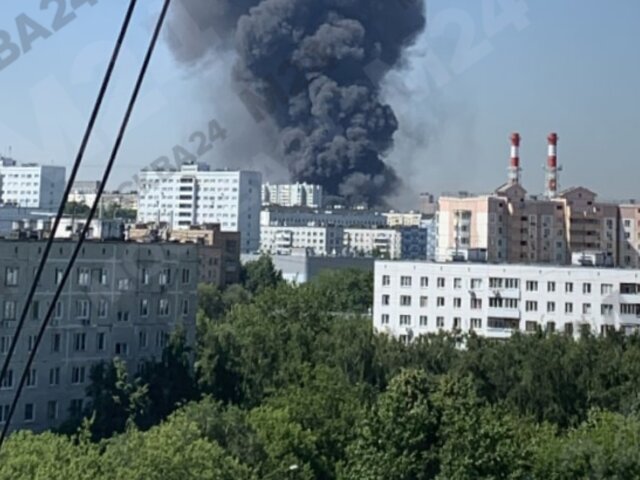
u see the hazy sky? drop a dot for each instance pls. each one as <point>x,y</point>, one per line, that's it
<point>571,66</point>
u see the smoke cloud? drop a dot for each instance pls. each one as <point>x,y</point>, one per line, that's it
<point>313,68</point>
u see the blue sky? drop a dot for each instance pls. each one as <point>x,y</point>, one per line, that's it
<point>571,66</point>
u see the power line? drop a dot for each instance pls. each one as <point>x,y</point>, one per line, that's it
<point>74,171</point>
<point>94,207</point>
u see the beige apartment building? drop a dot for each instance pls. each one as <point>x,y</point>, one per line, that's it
<point>508,226</point>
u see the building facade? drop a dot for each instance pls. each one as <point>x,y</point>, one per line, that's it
<point>31,185</point>
<point>412,299</point>
<point>283,240</point>
<point>293,195</point>
<point>196,195</point>
<point>122,300</point>
<point>379,242</point>
<point>302,217</point>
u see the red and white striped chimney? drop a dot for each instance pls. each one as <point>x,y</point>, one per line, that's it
<point>514,162</point>
<point>551,190</point>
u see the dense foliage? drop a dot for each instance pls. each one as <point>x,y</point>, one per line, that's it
<point>291,382</point>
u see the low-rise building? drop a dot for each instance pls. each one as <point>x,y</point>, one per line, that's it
<point>379,242</point>
<point>122,300</point>
<point>302,217</point>
<point>282,240</point>
<point>416,298</point>
<point>292,195</point>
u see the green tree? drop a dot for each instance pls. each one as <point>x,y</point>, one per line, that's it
<point>349,290</point>
<point>260,274</point>
<point>399,439</point>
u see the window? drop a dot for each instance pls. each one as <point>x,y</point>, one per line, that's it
<point>123,284</point>
<point>385,299</point>
<point>9,310</point>
<point>530,326</point>
<point>75,407</point>
<point>122,348</point>
<point>52,410</point>
<point>568,287</point>
<point>440,302</point>
<point>551,286</point>
<point>405,300</point>
<point>586,288</point>
<point>4,413</point>
<point>551,307</point>
<point>29,412</point>
<point>405,281</point>
<point>144,307</point>
<point>103,308</point>
<point>83,309</point>
<point>441,282</point>
<point>32,378</point>
<point>457,323</point>
<point>531,286</point>
<point>551,327</point>
<point>55,343</point>
<point>424,301</point>
<point>476,323</point>
<point>100,342</point>
<point>423,320</point>
<point>123,316</point>
<point>84,277</point>
<point>5,342</point>
<point>11,276</point>
<point>142,339</point>
<point>35,310</point>
<point>440,322</point>
<point>163,307</point>
<point>77,375</point>
<point>54,376</point>
<point>457,302</point>
<point>531,306</point>
<point>386,280</point>
<point>79,342</point>
<point>165,277</point>
<point>405,320</point>
<point>103,277</point>
<point>424,282</point>
<point>59,310</point>
<point>568,328</point>
<point>511,283</point>
<point>185,307</point>
<point>7,381</point>
<point>476,283</point>
<point>568,307</point>
<point>186,275</point>
<point>606,309</point>
<point>384,319</point>
<point>586,308</point>
<point>606,289</point>
<point>457,283</point>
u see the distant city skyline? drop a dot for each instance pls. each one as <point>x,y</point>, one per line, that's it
<point>566,66</point>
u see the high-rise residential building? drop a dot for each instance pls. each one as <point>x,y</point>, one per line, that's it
<point>31,185</point>
<point>417,298</point>
<point>318,240</point>
<point>292,195</point>
<point>629,235</point>
<point>122,300</point>
<point>197,195</point>
<point>292,217</point>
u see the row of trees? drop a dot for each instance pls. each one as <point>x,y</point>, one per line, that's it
<point>291,382</point>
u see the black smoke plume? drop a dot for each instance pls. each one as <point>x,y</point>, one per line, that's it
<point>314,68</point>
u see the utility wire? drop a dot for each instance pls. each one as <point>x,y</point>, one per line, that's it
<point>67,191</point>
<point>92,212</point>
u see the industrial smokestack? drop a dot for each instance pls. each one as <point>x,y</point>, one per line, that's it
<point>514,163</point>
<point>551,190</point>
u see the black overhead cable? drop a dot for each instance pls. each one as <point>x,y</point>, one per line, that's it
<point>92,212</point>
<point>67,191</point>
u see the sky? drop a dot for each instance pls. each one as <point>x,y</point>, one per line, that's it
<point>481,70</point>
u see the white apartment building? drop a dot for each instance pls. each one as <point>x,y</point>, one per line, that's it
<point>196,195</point>
<point>385,242</point>
<point>122,300</point>
<point>416,298</point>
<point>307,216</point>
<point>31,185</point>
<point>319,240</point>
<point>292,195</point>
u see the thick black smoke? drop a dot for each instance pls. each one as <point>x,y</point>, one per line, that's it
<point>314,67</point>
